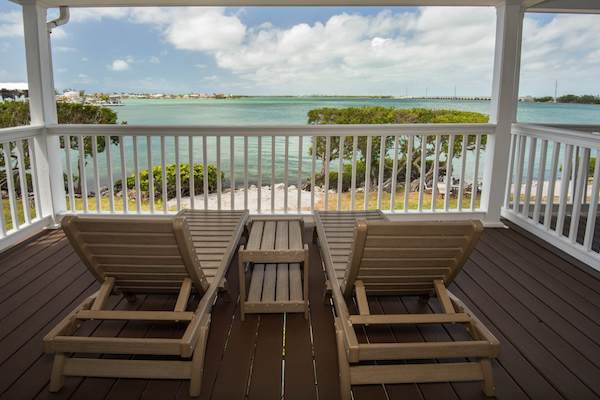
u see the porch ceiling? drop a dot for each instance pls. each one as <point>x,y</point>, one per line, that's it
<point>557,6</point>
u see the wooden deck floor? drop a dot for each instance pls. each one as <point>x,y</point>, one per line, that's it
<point>544,309</point>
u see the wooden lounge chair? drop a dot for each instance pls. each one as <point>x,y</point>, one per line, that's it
<point>146,256</point>
<point>364,254</point>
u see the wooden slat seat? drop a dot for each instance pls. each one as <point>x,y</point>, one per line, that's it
<point>365,254</point>
<point>145,256</point>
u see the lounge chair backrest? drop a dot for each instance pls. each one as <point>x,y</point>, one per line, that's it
<point>404,258</point>
<point>143,255</point>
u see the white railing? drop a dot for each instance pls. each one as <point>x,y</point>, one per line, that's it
<point>276,157</point>
<point>22,213</point>
<point>553,186</point>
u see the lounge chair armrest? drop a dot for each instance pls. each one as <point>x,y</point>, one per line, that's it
<point>68,325</point>
<point>192,333</point>
<point>481,332</point>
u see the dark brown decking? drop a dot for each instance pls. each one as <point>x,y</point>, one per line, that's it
<point>544,310</point>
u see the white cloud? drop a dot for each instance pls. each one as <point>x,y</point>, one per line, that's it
<point>566,49</point>
<point>63,49</point>
<point>62,70</point>
<point>200,29</point>
<point>119,65</point>
<point>11,24</point>
<point>213,78</point>
<point>129,60</point>
<point>154,60</point>
<point>82,76</point>
<point>84,59</point>
<point>201,66</point>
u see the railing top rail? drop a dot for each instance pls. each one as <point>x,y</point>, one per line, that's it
<point>572,137</point>
<point>19,133</point>
<point>272,130</point>
<point>574,127</point>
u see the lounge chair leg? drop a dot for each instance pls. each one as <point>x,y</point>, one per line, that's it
<point>57,379</point>
<point>224,288</point>
<point>198,362</point>
<point>130,297</point>
<point>327,293</point>
<point>489,389</point>
<point>344,365</point>
<point>424,298</point>
<point>314,234</point>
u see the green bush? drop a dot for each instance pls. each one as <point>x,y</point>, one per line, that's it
<point>171,174</point>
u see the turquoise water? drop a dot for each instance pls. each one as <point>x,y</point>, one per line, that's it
<point>282,111</point>
<point>293,110</point>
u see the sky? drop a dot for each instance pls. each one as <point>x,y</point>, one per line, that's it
<point>304,51</point>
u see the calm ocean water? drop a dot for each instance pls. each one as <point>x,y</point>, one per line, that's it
<point>293,110</point>
<point>284,111</point>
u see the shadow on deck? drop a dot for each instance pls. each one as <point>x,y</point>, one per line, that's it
<point>544,309</point>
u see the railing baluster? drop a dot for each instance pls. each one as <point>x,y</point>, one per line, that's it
<point>205,170</point>
<point>312,177</point>
<point>475,188</point>
<point>564,188</point>
<point>12,199</point>
<point>529,179</point>
<point>245,172</point>
<point>394,176</point>
<point>411,142</point>
<point>109,177</point>
<point>340,172</point>
<point>150,174</point>
<point>192,170</point>
<point>519,173</point>
<point>326,156</point>
<point>540,182</point>
<point>163,172</point>
<point>2,221</point>
<point>35,181</point>
<point>23,181</point>
<point>94,140</point>
<point>259,176</point>
<point>354,166</point>
<point>273,174</point>
<point>368,171</point>
<point>580,184</point>
<point>436,172</point>
<point>593,210</point>
<point>423,171</point>
<point>232,171</point>
<point>449,173</point>
<point>285,175</point>
<point>299,209</point>
<point>136,171</point>
<point>177,173</point>
<point>511,166</point>
<point>82,175</point>
<point>463,166</point>
<point>124,188</point>
<point>219,182</point>
<point>551,185</point>
<point>382,148</point>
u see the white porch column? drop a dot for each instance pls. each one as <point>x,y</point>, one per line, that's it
<point>507,59</point>
<point>43,109</point>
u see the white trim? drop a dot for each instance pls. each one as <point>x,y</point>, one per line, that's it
<point>271,130</point>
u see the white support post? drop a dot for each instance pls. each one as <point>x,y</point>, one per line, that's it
<point>509,27</point>
<point>43,110</point>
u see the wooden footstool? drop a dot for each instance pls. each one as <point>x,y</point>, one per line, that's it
<point>277,256</point>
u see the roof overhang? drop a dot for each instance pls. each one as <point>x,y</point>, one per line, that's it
<point>548,6</point>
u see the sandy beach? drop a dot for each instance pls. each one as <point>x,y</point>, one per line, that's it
<point>265,196</point>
